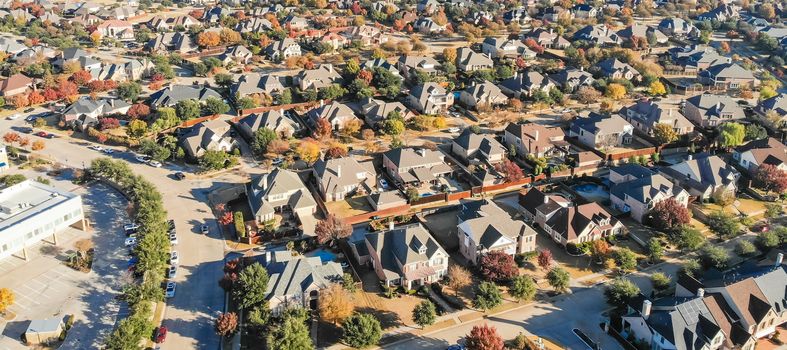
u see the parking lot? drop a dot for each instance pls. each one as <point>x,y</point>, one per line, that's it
<point>45,287</point>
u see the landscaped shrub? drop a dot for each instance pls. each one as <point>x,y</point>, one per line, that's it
<point>240,226</point>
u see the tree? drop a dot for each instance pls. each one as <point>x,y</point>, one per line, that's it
<point>626,259</point>
<point>723,224</point>
<point>291,333</point>
<point>690,239</point>
<point>309,151</point>
<point>138,110</point>
<point>129,91</point>
<point>323,128</point>
<point>745,248</point>
<point>620,291</point>
<point>771,179</point>
<point>6,299</point>
<point>250,288</point>
<point>545,259</point>
<point>655,250</point>
<point>424,314</point>
<point>487,296</point>
<point>81,77</point>
<point>669,215</point>
<point>335,304</point>
<point>226,324</point>
<point>731,134</point>
<point>755,132</point>
<point>660,281</point>
<point>616,91</point>
<point>137,128</point>
<point>278,146</point>
<point>511,170</point>
<point>498,266</point>
<point>714,256</point>
<point>523,288</point>
<point>223,79</point>
<point>599,249</point>
<point>262,138</point>
<point>332,228</point>
<point>20,101</point>
<point>331,92</point>
<point>208,39</point>
<point>393,127</point>
<point>587,95</point>
<point>215,106</point>
<point>656,88</point>
<point>449,54</point>
<point>188,109</point>
<point>458,277</point>
<point>352,127</point>
<point>484,337</point>
<point>767,240</point>
<point>38,145</point>
<point>361,330</point>
<point>214,160</point>
<point>558,278</point>
<point>664,133</point>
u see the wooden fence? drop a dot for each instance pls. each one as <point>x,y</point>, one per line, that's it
<point>305,105</point>
<point>355,219</point>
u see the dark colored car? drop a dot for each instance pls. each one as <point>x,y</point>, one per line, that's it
<point>29,110</point>
<point>26,130</point>
<point>42,134</point>
<point>180,176</point>
<point>161,334</point>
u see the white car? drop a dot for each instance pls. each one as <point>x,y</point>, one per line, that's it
<point>96,148</point>
<point>173,239</point>
<point>130,227</point>
<point>170,291</point>
<point>155,163</point>
<point>130,241</point>
<point>172,272</point>
<point>277,161</point>
<point>140,158</point>
<point>109,151</point>
<point>173,257</point>
<point>13,117</point>
<point>453,130</point>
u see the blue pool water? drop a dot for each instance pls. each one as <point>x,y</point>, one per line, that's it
<point>593,192</point>
<point>325,256</point>
<point>589,188</point>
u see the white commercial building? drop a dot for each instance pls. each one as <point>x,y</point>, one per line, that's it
<point>31,211</point>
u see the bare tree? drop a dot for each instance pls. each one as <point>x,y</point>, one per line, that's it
<point>458,278</point>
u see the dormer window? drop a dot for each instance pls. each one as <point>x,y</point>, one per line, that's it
<point>422,250</point>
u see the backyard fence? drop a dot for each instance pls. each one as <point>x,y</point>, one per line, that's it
<point>355,219</point>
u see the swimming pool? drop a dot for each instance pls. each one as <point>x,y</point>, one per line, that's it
<point>325,255</point>
<point>593,192</point>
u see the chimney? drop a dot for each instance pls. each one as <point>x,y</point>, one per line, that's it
<point>690,157</point>
<point>646,306</point>
<point>581,68</point>
<point>700,292</point>
<point>338,171</point>
<point>391,225</point>
<point>550,30</point>
<point>535,135</point>
<point>265,181</point>
<point>421,152</point>
<point>546,199</point>
<point>779,259</point>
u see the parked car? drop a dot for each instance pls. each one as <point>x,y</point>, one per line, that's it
<point>141,158</point>
<point>131,227</point>
<point>96,148</point>
<point>42,134</point>
<point>29,110</point>
<point>109,151</point>
<point>130,241</point>
<point>161,332</point>
<point>453,130</point>
<point>26,130</point>
<point>173,257</point>
<point>170,291</point>
<point>204,229</point>
<point>31,118</point>
<point>12,117</point>
<point>277,161</point>
<point>180,175</point>
<point>172,272</point>
<point>155,163</point>
<point>383,184</point>
<point>173,239</point>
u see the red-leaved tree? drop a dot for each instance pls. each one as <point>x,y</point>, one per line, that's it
<point>484,337</point>
<point>81,77</point>
<point>226,324</point>
<point>331,228</point>
<point>669,215</point>
<point>771,179</point>
<point>138,110</point>
<point>545,259</point>
<point>497,266</point>
<point>511,171</point>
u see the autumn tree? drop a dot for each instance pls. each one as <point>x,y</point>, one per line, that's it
<point>498,266</point>
<point>484,337</point>
<point>510,170</point>
<point>332,228</point>
<point>38,145</point>
<point>208,39</point>
<point>35,98</point>
<point>458,278</point>
<point>335,304</point>
<point>6,299</point>
<point>664,133</point>
<point>599,249</point>
<point>138,110</point>
<point>657,88</point>
<point>11,137</point>
<point>20,101</point>
<point>545,259</point>
<point>226,324</point>
<point>323,128</point>
<point>771,179</point>
<point>309,151</point>
<point>587,95</point>
<point>81,78</point>
<point>731,134</point>
<point>616,91</point>
<point>449,54</point>
<point>669,215</point>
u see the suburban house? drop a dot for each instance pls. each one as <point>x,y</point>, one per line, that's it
<point>322,76</point>
<point>171,42</point>
<point>612,68</point>
<point>696,58</point>
<point>627,172</point>
<point>283,49</point>
<point>386,200</point>
<point>341,177</point>
<point>430,98</point>
<point>758,152</point>
<point>211,135</point>
<point>721,13</point>
<point>535,139</point>
<point>584,11</point>
<point>408,165</point>
<point>705,177</point>
<point>256,84</point>
<point>643,32</point>
<point>172,94</point>
<point>367,35</point>
<point>599,34</point>
<point>426,25</point>
<point>376,111</point>
<point>482,95</point>
<point>408,65</point>
<point>708,110</point>
<point>381,63</point>
<point>483,227</point>
<point>338,114</point>
<point>254,24</point>
<point>548,38</point>
<point>571,79</point>
<point>646,114</point>
<point>158,22</point>
<point>85,111</point>
<point>728,76</point>
<point>468,60</point>
<point>495,47</point>
<point>566,222</point>
<point>526,84</point>
<point>116,29</point>
<point>773,110</point>
<point>296,281</point>
<point>406,256</point>
<point>237,54</point>
<point>478,148</point>
<point>74,54</point>
<point>678,27</point>
<point>640,195</point>
<point>16,84</point>
<point>279,191</point>
<point>600,131</point>
<point>275,120</point>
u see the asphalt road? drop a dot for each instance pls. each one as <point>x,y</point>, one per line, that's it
<point>198,298</point>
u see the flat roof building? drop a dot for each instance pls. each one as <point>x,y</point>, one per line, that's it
<point>31,211</point>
